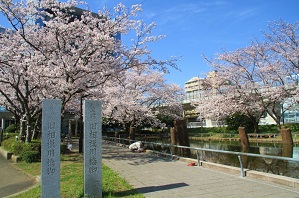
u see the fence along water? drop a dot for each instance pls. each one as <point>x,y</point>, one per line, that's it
<point>166,149</point>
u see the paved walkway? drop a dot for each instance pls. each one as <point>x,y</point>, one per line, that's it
<point>11,180</point>
<point>158,177</point>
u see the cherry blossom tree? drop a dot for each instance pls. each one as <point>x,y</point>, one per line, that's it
<point>256,79</point>
<point>234,88</point>
<point>19,81</point>
<point>66,56</point>
<point>137,98</point>
<point>283,41</point>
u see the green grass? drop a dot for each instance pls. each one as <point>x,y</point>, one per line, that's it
<point>71,180</point>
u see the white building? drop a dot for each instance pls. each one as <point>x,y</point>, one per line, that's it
<point>194,89</point>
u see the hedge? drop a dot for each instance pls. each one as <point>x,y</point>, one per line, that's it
<point>31,156</point>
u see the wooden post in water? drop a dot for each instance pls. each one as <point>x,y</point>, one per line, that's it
<point>243,137</point>
<point>173,141</point>
<point>287,150</point>
<point>244,145</point>
<point>287,142</point>
<point>286,135</point>
<point>181,135</point>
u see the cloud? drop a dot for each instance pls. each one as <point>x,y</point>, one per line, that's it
<point>184,13</point>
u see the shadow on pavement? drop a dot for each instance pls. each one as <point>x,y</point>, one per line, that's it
<point>147,189</point>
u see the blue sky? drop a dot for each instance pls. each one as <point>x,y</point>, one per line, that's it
<point>196,27</point>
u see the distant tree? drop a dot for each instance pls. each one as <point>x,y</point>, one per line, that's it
<point>140,97</point>
<point>256,79</point>
<point>166,120</point>
<point>238,120</point>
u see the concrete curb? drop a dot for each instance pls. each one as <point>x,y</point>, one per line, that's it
<point>6,154</point>
<point>9,155</point>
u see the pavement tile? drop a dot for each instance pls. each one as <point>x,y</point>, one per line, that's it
<point>160,177</point>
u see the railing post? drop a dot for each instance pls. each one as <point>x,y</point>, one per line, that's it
<point>241,166</point>
<point>198,158</point>
<point>170,150</point>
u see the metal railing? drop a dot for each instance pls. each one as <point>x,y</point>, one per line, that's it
<point>239,154</point>
<point>250,135</point>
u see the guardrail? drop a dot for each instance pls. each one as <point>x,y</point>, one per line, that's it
<point>239,154</point>
<point>250,135</point>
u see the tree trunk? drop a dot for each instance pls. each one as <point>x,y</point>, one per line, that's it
<point>115,136</point>
<point>127,128</point>
<point>275,114</point>
<point>36,126</point>
<point>255,120</point>
<point>256,127</point>
<point>132,133</point>
<point>29,131</point>
<point>81,126</point>
<point>22,130</point>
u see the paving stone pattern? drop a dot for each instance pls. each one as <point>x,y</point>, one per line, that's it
<point>158,177</point>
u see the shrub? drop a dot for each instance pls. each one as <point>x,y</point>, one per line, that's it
<point>20,148</point>
<point>17,147</point>
<point>7,143</point>
<point>294,127</point>
<point>31,156</point>
<point>63,148</point>
<point>30,147</point>
<point>272,128</point>
<point>236,120</point>
<point>11,129</point>
<point>35,145</point>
